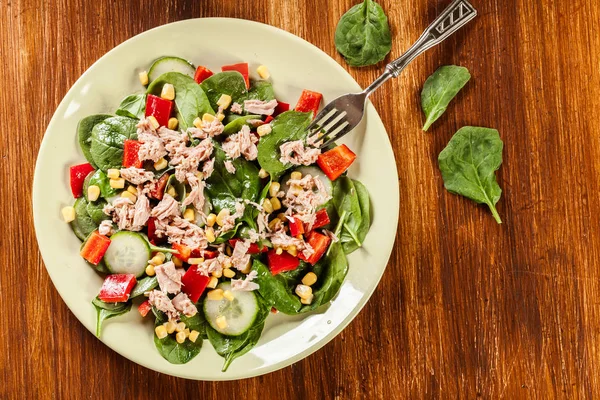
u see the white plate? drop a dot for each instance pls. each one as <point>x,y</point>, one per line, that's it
<point>295,65</point>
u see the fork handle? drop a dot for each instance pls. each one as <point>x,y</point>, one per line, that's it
<point>454,17</point>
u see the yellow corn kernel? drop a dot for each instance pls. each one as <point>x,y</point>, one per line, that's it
<point>224,101</point>
<point>228,295</point>
<point>282,217</point>
<point>168,92</point>
<point>113,173</point>
<point>275,203</point>
<point>264,130</point>
<point>223,214</point>
<point>208,117</point>
<point>296,175</point>
<point>247,268</point>
<point>68,214</point>
<point>228,273</point>
<point>173,123</point>
<point>153,122</point>
<point>211,219</point>
<point>217,274</point>
<point>221,322</point>
<point>274,189</point>
<point>267,206</point>
<point>143,76</point>
<point>197,122</point>
<point>194,336</point>
<point>189,214</point>
<point>180,337</point>
<point>118,183</point>
<point>160,164</point>
<point>220,116</point>
<point>292,250</point>
<point>187,332</point>
<point>132,189</point>
<point>227,264</point>
<point>295,189</point>
<point>158,259</point>
<point>210,234</point>
<point>150,270</point>
<point>228,251</point>
<point>307,300</point>
<point>215,294</point>
<point>279,251</point>
<point>161,332</point>
<point>263,72</point>
<point>177,261</point>
<point>93,192</point>
<point>172,192</point>
<point>195,260</point>
<point>180,326</point>
<point>128,195</point>
<point>171,326</point>
<point>309,279</point>
<point>213,282</point>
<point>303,291</point>
<point>263,174</point>
<point>274,223</point>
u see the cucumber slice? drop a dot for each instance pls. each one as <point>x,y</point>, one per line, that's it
<point>170,64</point>
<point>239,313</point>
<point>312,171</point>
<point>128,253</point>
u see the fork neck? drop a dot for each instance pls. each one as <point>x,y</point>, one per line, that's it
<point>378,82</point>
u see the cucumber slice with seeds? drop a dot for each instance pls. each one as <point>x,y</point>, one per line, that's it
<point>240,313</point>
<point>170,64</point>
<point>128,253</point>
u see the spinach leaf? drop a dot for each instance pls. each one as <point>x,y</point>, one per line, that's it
<point>228,82</point>
<point>144,285</point>
<point>83,224</point>
<point>351,197</point>
<point>261,90</point>
<point>181,353</point>
<point>107,141</point>
<point>288,126</point>
<point>94,210</point>
<point>100,179</point>
<point>236,124</point>
<point>190,99</point>
<point>276,289</point>
<point>105,311</point>
<point>101,267</point>
<point>84,134</point>
<point>468,164</point>
<point>439,90</point>
<point>363,35</point>
<point>179,187</point>
<point>133,106</point>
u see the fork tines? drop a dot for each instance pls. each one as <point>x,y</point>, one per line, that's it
<point>329,125</point>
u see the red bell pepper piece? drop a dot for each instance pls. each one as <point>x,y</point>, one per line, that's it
<point>206,254</point>
<point>152,237</point>
<point>184,252</point>
<point>130,154</point>
<point>281,262</point>
<point>321,219</point>
<point>158,189</point>
<point>94,248</point>
<point>335,161</point>
<point>159,108</point>
<point>269,119</point>
<point>253,249</point>
<point>202,73</point>
<point>116,288</point>
<point>194,283</point>
<point>144,308</point>
<point>309,101</point>
<point>319,243</point>
<point>296,226</point>
<point>281,108</point>
<point>242,68</point>
<point>78,174</point>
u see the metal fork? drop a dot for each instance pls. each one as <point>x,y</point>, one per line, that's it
<point>341,115</point>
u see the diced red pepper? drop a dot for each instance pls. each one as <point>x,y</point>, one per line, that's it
<point>202,73</point>
<point>116,288</point>
<point>309,101</point>
<point>78,174</point>
<point>319,243</point>
<point>296,226</point>
<point>184,252</point>
<point>253,249</point>
<point>281,108</point>
<point>281,262</point>
<point>242,68</point>
<point>335,161</point>
<point>158,189</point>
<point>94,248</point>
<point>130,154</point>
<point>144,308</point>
<point>159,108</point>
<point>194,283</point>
<point>269,119</point>
<point>321,219</point>
<point>152,237</point>
<point>206,254</point>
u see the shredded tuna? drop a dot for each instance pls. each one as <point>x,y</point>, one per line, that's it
<point>123,212</point>
<point>229,219</point>
<point>168,207</point>
<point>253,236</point>
<point>175,144</point>
<point>245,284</point>
<point>192,156</point>
<point>196,196</point>
<point>262,222</point>
<point>260,107</point>
<point>162,303</point>
<point>215,265</point>
<point>184,305</point>
<point>241,143</point>
<point>303,197</point>
<point>152,147</point>
<point>207,129</point>
<point>239,257</point>
<point>281,239</point>
<point>184,232</point>
<point>106,228</point>
<point>236,108</point>
<point>208,168</point>
<point>141,211</point>
<point>229,166</point>
<point>295,153</point>
<point>314,140</point>
<point>137,176</point>
<point>169,279</point>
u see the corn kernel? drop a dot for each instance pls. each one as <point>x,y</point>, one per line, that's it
<point>194,336</point>
<point>211,219</point>
<point>187,332</point>
<point>171,326</point>
<point>68,214</point>
<point>208,117</point>
<point>180,337</point>
<point>195,260</point>
<point>282,217</point>
<point>197,122</point>
<point>247,268</point>
<point>274,189</point>
<point>267,206</point>
<point>221,322</point>
<point>264,130</point>
<point>228,251</point>
<point>160,164</point>
<point>161,332</point>
<point>153,122</point>
<point>262,173</point>
<point>180,326</point>
<point>172,192</point>
<point>143,76</point>
<point>177,261</point>
<point>117,183</point>
<point>132,189</point>
<point>263,72</point>
<point>217,274</point>
<point>210,234</point>
<point>189,215</point>
<point>228,295</point>
<point>158,259</point>
<point>295,189</point>
<point>220,116</point>
<point>275,203</point>
<point>113,173</point>
<point>274,223</point>
<point>224,101</point>
<point>215,294</point>
<point>213,282</point>
<point>296,175</point>
<point>309,279</point>
<point>279,251</point>
<point>173,123</point>
<point>307,300</point>
<point>292,250</point>
<point>303,291</point>
<point>128,195</point>
<point>223,214</point>
<point>228,273</point>
<point>227,264</point>
<point>150,270</point>
<point>93,192</point>
<point>168,92</point>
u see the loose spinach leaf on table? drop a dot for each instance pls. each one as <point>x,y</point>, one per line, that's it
<point>363,35</point>
<point>105,311</point>
<point>468,164</point>
<point>83,224</point>
<point>133,106</point>
<point>107,141</point>
<point>100,179</point>
<point>84,134</point>
<point>439,90</point>
<point>231,83</point>
<point>288,126</point>
<point>261,90</point>
<point>276,290</point>
<point>190,99</point>
<point>144,285</point>
<point>236,124</point>
<point>181,353</point>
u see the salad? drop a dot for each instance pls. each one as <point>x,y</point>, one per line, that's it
<point>207,204</point>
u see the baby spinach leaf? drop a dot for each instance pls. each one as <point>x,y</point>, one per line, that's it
<point>468,164</point>
<point>178,186</point>
<point>105,311</point>
<point>144,285</point>
<point>94,210</point>
<point>101,267</point>
<point>363,35</point>
<point>84,134</point>
<point>190,99</point>
<point>133,106</point>
<point>286,127</point>
<point>236,124</point>
<point>100,179</point>
<point>180,353</point>
<point>275,289</point>
<point>439,90</point>
<point>261,90</point>
<point>351,197</point>
<point>107,141</point>
<point>83,224</point>
<point>228,82</point>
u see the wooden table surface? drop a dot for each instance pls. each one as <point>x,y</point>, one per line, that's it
<point>466,308</point>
